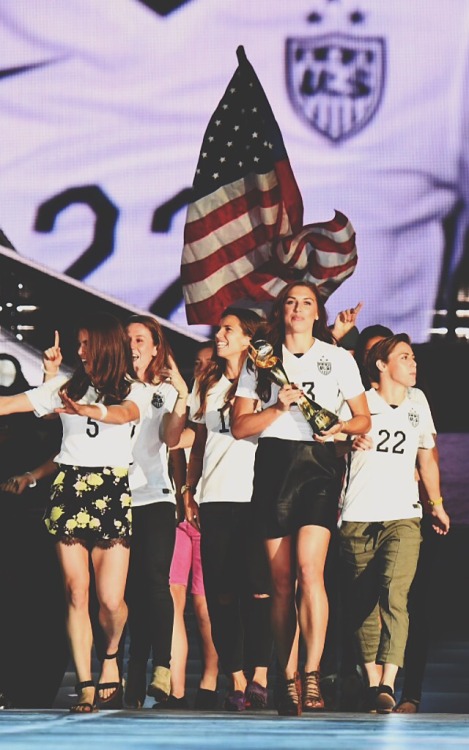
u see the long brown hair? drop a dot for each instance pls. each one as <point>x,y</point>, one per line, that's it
<point>249,322</point>
<point>163,349</point>
<point>110,361</point>
<point>275,330</point>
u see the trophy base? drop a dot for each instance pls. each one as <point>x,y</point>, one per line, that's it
<point>322,420</point>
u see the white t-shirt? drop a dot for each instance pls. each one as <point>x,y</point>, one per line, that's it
<point>228,464</point>
<point>85,441</point>
<point>415,394</point>
<point>381,484</point>
<point>327,374</point>
<point>149,477</point>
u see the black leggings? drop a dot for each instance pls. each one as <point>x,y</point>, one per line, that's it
<point>236,573</point>
<point>151,610</point>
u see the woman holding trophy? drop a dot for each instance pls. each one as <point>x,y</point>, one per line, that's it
<point>297,474</point>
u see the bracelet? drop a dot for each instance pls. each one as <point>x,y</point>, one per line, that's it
<point>187,488</point>
<point>439,501</point>
<point>50,372</point>
<point>33,481</point>
<point>102,408</point>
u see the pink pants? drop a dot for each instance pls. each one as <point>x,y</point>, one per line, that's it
<point>186,557</point>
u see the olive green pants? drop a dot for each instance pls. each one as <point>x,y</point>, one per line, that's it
<point>380,561</point>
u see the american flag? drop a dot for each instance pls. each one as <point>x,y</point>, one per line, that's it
<point>244,237</point>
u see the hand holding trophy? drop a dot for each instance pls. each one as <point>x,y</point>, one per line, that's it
<point>319,419</point>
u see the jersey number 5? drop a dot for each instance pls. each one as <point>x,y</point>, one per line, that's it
<point>93,428</point>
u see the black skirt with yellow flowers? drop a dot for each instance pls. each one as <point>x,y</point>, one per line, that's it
<point>90,506</point>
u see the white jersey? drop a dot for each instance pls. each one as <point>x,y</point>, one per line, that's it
<point>104,106</point>
<point>327,374</point>
<point>149,477</point>
<point>86,441</point>
<point>381,484</point>
<point>417,395</point>
<point>228,465</point>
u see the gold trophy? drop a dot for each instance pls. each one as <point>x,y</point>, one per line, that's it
<point>262,354</point>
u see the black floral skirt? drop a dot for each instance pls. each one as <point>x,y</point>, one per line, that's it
<point>90,506</point>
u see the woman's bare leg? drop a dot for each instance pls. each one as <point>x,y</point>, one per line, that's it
<point>179,644</point>
<point>312,546</point>
<point>374,672</point>
<point>110,568</point>
<point>74,562</point>
<point>209,677</point>
<point>284,615</point>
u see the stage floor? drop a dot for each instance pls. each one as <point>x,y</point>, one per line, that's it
<point>26,730</point>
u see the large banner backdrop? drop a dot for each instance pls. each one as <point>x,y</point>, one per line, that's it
<point>104,103</point>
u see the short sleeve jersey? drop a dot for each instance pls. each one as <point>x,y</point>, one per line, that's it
<point>228,464</point>
<point>327,374</point>
<point>149,475</point>
<point>381,484</point>
<point>86,441</point>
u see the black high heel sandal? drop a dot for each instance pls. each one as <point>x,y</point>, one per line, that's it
<point>115,700</point>
<point>86,707</point>
<point>289,697</point>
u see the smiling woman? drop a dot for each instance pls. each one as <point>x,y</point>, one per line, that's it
<point>89,513</point>
<point>151,610</point>
<point>217,501</point>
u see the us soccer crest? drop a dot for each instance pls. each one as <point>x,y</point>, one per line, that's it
<point>413,418</point>
<point>336,81</point>
<point>157,400</point>
<point>324,366</point>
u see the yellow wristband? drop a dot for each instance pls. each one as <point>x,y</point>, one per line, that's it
<point>439,501</point>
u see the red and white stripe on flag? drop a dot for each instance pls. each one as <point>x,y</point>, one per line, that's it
<point>229,236</point>
<point>240,261</point>
<point>244,237</point>
<point>323,253</point>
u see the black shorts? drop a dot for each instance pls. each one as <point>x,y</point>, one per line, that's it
<point>296,483</point>
<point>90,506</point>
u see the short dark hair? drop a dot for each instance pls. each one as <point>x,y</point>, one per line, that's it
<point>370,332</point>
<point>381,351</point>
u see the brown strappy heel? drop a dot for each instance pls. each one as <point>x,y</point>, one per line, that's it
<point>312,697</point>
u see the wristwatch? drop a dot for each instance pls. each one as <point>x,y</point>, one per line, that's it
<point>187,488</point>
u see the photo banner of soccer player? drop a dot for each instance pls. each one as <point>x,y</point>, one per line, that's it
<point>104,107</point>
